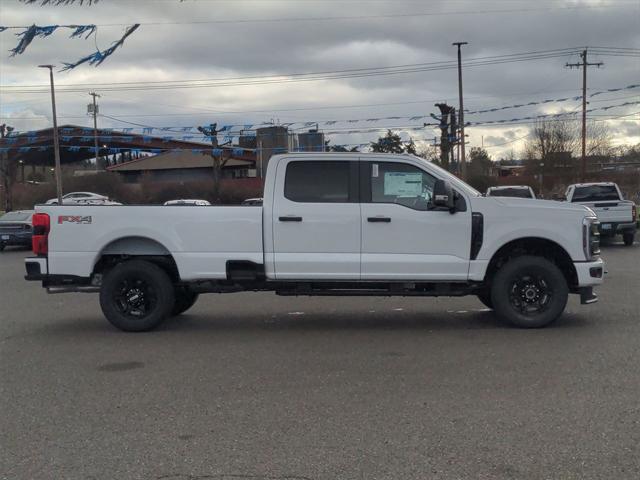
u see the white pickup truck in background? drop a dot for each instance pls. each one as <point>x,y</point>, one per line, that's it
<point>616,215</point>
<point>330,224</point>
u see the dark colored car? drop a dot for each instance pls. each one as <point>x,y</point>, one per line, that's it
<point>16,229</point>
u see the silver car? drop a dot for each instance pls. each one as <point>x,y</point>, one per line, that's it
<point>80,198</point>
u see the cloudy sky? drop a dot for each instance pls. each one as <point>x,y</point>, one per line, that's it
<point>220,39</point>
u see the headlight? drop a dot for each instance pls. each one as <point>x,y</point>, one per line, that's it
<point>590,237</point>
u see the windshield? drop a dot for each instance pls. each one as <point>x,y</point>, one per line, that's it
<point>16,217</point>
<point>510,192</point>
<point>455,181</point>
<point>595,193</point>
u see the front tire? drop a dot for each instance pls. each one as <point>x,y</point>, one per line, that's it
<point>628,238</point>
<point>2,245</point>
<point>529,292</point>
<point>485,298</point>
<point>136,296</point>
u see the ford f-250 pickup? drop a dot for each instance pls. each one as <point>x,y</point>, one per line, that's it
<point>616,215</point>
<point>330,224</point>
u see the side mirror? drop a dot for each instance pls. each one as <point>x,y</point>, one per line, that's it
<point>443,196</point>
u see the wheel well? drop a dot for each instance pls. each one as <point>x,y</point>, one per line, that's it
<point>541,247</point>
<point>140,248</point>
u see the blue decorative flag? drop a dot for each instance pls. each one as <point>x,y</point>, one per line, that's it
<point>29,34</point>
<point>98,56</point>
<point>80,30</point>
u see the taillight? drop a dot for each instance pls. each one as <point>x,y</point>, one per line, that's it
<point>634,213</point>
<point>39,239</point>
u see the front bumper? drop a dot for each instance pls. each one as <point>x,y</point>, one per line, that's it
<point>15,239</point>
<point>590,273</point>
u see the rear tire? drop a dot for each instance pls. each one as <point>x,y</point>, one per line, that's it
<point>136,296</point>
<point>185,299</point>
<point>529,292</point>
<point>628,238</point>
<point>2,245</point>
<point>485,298</point>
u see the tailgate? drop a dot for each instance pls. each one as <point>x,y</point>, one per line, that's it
<point>612,211</point>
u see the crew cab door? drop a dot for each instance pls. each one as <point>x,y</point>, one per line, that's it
<point>316,220</point>
<point>403,237</point>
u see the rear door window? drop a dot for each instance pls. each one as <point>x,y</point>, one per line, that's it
<point>511,192</point>
<point>320,182</point>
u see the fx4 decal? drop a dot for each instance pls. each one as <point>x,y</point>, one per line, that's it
<point>77,219</point>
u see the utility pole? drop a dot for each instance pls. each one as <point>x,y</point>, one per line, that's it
<point>219,161</point>
<point>5,173</point>
<point>584,64</point>
<point>94,109</point>
<point>447,122</point>
<point>463,161</point>
<point>56,141</point>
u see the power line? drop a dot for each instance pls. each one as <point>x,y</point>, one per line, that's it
<point>287,80</point>
<point>367,17</point>
<point>290,77</point>
<point>282,79</point>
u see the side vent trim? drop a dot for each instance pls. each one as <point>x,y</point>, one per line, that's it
<point>477,234</point>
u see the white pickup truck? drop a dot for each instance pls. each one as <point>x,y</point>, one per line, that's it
<point>616,215</point>
<point>330,224</point>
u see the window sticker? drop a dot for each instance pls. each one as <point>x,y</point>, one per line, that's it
<point>403,184</point>
<point>374,170</point>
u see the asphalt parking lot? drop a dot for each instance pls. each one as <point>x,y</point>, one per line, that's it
<point>255,386</point>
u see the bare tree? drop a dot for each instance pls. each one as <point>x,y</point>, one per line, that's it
<point>552,137</point>
<point>599,139</point>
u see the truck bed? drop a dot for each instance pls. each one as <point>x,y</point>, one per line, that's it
<point>200,239</point>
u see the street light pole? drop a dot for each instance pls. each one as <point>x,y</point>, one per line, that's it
<point>462,159</point>
<point>56,141</point>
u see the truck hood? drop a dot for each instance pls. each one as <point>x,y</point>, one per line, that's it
<point>529,204</point>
